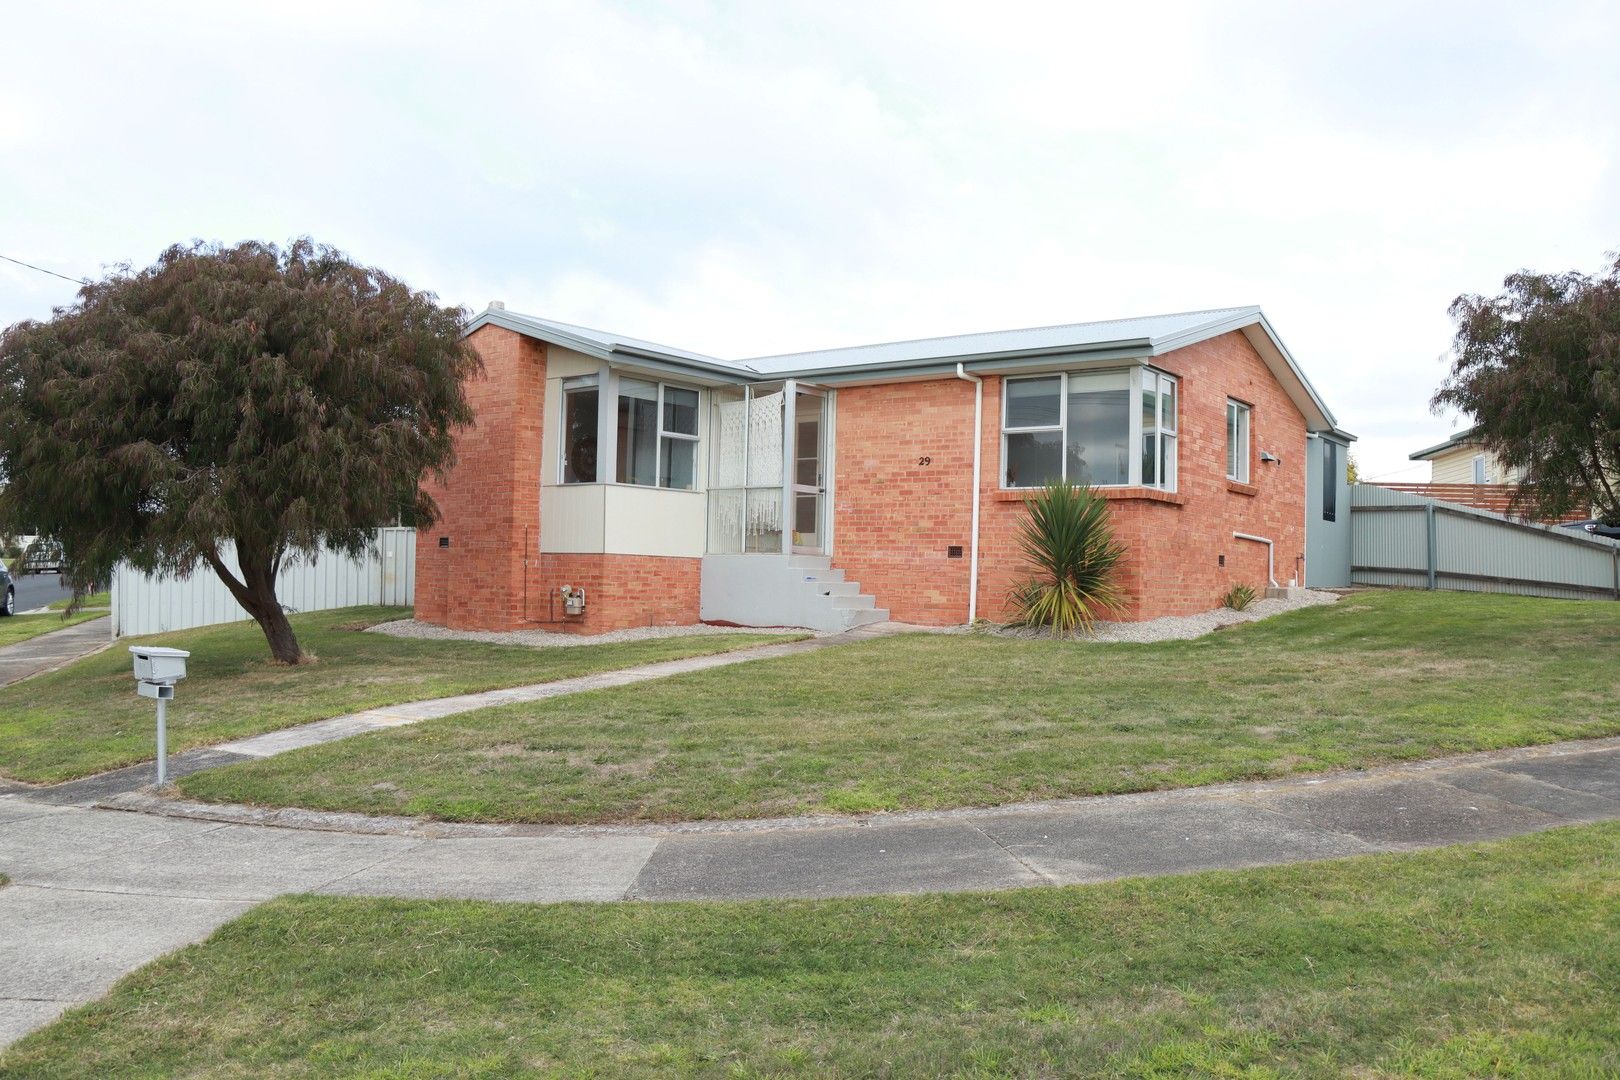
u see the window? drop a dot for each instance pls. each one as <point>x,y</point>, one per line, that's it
<point>1479,470</point>
<point>745,469</point>
<point>1158,430</point>
<point>579,430</point>
<point>1079,428</point>
<point>1330,480</point>
<point>657,434</point>
<point>1237,441</point>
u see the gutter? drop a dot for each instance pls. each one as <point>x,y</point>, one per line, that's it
<point>1271,555</point>
<point>978,447</point>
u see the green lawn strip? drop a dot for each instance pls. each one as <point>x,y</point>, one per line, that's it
<point>92,600</point>
<point>22,627</point>
<point>87,718</point>
<point>1498,959</point>
<point>930,721</point>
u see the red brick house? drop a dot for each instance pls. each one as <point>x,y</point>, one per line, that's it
<point>831,488</point>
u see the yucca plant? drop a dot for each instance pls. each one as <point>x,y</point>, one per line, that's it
<point>1239,597</point>
<point>1067,540</point>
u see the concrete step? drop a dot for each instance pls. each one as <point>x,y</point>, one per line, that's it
<point>823,575</point>
<point>835,588</point>
<point>810,562</point>
<point>854,618</point>
<point>857,602</point>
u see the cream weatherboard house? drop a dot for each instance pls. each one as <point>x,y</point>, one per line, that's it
<point>610,481</point>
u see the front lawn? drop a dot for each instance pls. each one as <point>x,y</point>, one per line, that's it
<point>22,627</point>
<point>1492,960</point>
<point>930,721</point>
<point>87,718</point>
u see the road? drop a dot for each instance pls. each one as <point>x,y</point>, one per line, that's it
<point>37,590</point>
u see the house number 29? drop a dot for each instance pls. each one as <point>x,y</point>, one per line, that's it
<point>925,461</point>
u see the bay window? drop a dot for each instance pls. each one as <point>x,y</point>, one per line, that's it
<point>1237,441</point>
<point>657,434</point>
<point>1080,427</point>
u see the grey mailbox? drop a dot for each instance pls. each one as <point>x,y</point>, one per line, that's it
<point>157,669</point>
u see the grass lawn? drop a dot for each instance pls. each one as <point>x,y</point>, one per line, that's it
<point>22,627</point>
<point>91,600</point>
<point>930,721</point>
<point>1492,960</point>
<point>87,718</point>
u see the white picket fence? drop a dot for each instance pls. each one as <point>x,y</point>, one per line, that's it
<point>153,604</point>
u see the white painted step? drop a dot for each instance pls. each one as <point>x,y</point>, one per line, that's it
<point>810,562</point>
<point>823,575</point>
<point>854,603</point>
<point>854,618</point>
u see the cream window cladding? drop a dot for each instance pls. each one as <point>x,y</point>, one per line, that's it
<point>1082,427</point>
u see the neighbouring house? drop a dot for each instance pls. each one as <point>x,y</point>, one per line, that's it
<point>827,489</point>
<point>1462,460</point>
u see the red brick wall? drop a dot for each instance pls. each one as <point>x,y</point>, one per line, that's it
<point>620,591</point>
<point>489,506</point>
<point>896,516</point>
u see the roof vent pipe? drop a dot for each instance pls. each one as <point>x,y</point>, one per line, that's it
<point>497,305</point>
<point>978,444</point>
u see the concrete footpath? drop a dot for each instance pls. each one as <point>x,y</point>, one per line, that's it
<point>97,892</point>
<point>48,652</point>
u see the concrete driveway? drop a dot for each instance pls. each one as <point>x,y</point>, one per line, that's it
<point>98,892</point>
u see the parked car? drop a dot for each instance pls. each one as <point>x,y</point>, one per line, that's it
<point>43,557</point>
<point>1596,528</point>
<point>8,602</point>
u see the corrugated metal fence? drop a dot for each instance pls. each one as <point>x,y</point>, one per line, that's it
<point>150,604</point>
<point>1402,539</point>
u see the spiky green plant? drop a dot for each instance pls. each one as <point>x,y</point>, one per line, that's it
<point>1239,597</point>
<point>1067,540</point>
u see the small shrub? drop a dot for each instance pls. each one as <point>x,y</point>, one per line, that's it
<point>1239,597</point>
<point>1067,540</point>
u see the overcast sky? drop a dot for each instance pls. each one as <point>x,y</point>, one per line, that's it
<point>753,178</point>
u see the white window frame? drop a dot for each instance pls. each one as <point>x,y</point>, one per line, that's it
<point>569,386</point>
<point>663,433</point>
<point>1141,377</point>
<point>1481,472</point>
<point>1241,453</point>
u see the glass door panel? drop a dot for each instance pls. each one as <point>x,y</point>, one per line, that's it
<point>809,471</point>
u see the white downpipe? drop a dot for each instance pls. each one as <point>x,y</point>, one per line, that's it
<point>1271,555</point>
<point>978,445</point>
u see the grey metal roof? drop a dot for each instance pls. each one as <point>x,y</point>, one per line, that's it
<point>1463,436</point>
<point>1140,337</point>
<point>1142,332</point>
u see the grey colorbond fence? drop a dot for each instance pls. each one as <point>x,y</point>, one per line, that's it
<point>1407,540</point>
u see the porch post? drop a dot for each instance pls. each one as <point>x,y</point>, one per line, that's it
<point>790,393</point>
<point>607,426</point>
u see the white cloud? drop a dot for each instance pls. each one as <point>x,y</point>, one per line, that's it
<point>744,179</point>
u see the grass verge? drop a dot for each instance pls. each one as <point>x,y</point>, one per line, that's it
<point>86,718</point>
<point>930,721</point>
<point>91,600</point>
<point>1491,960</point>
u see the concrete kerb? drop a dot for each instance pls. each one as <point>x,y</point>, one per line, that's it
<point>146,802</point>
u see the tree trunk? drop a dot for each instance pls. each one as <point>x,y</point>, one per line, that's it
<point>256,592</point>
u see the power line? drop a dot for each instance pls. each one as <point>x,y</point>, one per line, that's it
<point>41,269</point>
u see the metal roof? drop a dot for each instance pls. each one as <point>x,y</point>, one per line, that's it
<point>1139,332</point>
<point>1463,436</point>
<point>1140,337</point>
